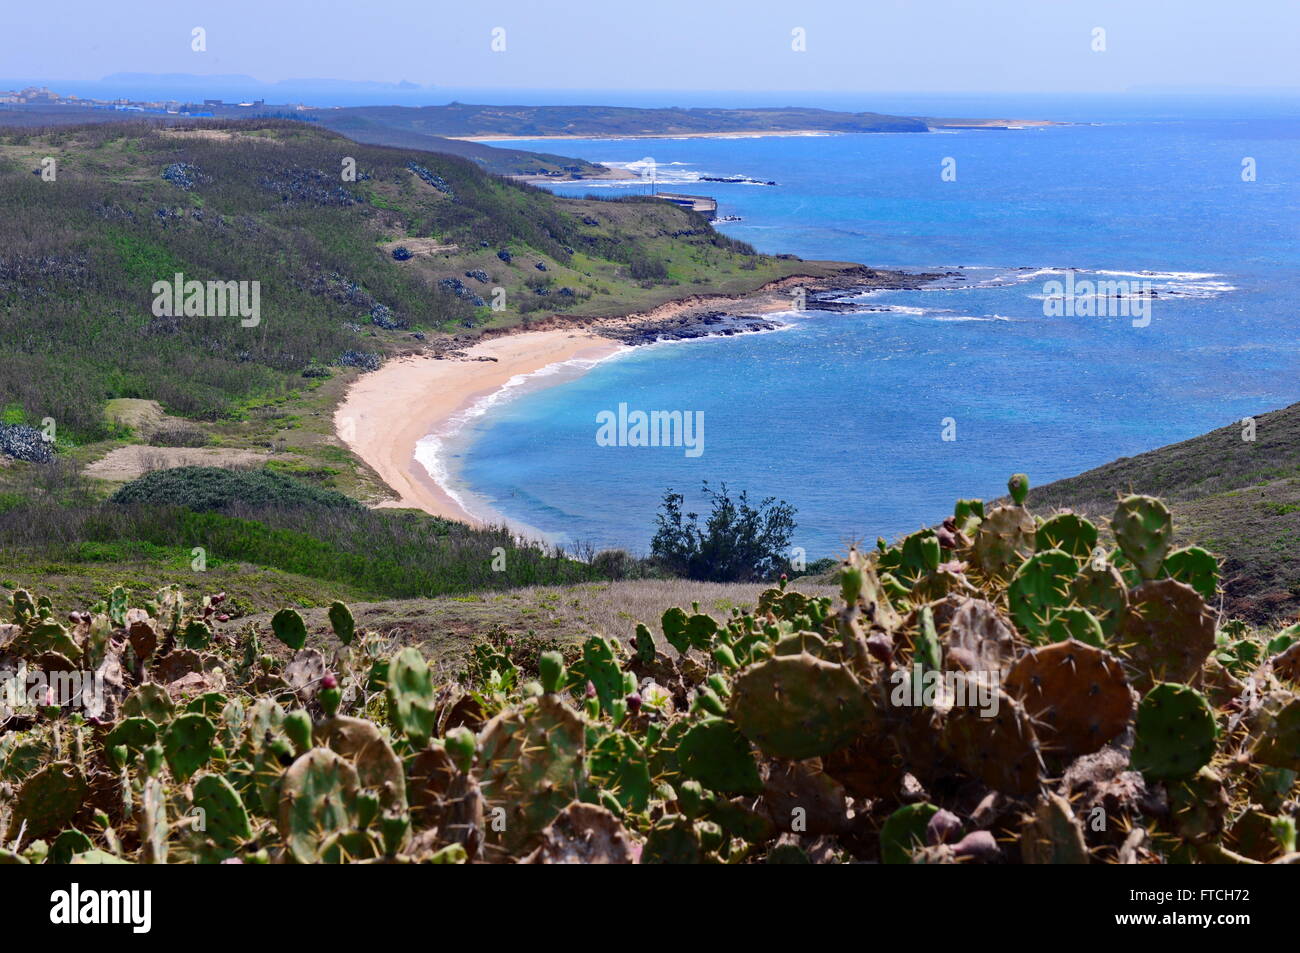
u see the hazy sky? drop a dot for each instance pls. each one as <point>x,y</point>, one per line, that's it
<point>852,45</point>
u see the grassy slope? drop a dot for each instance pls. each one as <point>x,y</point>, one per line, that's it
<point>494,159</point>
<point>1239,499</point>
<point>448,627</point>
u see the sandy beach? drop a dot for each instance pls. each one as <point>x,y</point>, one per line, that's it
<point>387,412</point>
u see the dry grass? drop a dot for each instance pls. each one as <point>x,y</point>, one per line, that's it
<point>447,627</point>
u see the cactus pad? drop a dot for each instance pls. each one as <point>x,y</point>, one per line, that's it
<point>1075,694</point>
<point>1166,633</point>
<point>1176,732</point>
<point>410,694</point>
<point>1002,750</point>
<point>904,832</point>
<point>1039,587</point>
<point>1143,527</point>
<point>717,755</point>
<point>317,798</point>
<point>1069,533</point>
<point>1196,567</point>
<point>225,819</point>
<point>1005,538</point>
<point>289,628</point>
<point>799,706</point>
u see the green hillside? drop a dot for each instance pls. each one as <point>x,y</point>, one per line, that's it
<point>265,201</point>
<point>1237,497</point>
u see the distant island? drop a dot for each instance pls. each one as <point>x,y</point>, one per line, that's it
<point>466,121</point>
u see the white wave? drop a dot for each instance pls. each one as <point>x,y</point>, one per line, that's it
<point>431,450</point>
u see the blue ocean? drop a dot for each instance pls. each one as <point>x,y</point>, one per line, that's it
<point>844,415</point>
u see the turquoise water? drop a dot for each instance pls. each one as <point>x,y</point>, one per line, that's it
<point>842,414</point>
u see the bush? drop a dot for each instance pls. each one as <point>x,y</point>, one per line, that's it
<point>214,488</point>
<point>738,543</point>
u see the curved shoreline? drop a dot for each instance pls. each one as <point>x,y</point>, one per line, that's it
<point>386,413</point>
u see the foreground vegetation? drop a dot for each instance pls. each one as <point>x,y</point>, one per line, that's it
<point>999,689</point>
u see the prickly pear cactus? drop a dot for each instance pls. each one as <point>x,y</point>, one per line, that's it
<point>1069,533</point>
<point>1075,694</point>
<point>1143,527</point>
<point>531,765</point>
<point>317,799</point>
<point>188,744</point>
<point>799,706</point>
<point>289,628</point>
<point>1176,732</point>
<point>48,800</point>
<point>411,695</point>
<point>341,621</point>
<point>1005,538</point>
<point>1002,749</point>
<point>1053,835</point>
<point>1040,587</point>
<point>225,819</point>
<point>1166,632</point>
<point>1100,589</point>
<point>717,755</point>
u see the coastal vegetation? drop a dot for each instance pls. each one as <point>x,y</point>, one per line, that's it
<point>738,542</point>
<point>996,690</point>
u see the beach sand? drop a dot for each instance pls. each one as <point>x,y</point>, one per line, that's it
<point>388,411</point>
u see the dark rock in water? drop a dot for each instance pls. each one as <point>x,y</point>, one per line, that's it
<point>478,274</point>
<point>25,443</point>
<point>402,253</point>
<point>505,256</point>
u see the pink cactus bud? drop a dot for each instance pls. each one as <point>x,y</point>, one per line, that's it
<point>591,690</point>
<point>223,618</point>
<point>947,538</point>
<point>942,828</point>
<point>329,681</point>
<point>978,846</point>
<point>633,703</point>
<point>881,647</point>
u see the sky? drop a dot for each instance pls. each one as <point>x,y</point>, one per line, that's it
<point>1043,46</point>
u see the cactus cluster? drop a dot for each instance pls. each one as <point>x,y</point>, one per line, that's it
<point>999,689</point>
